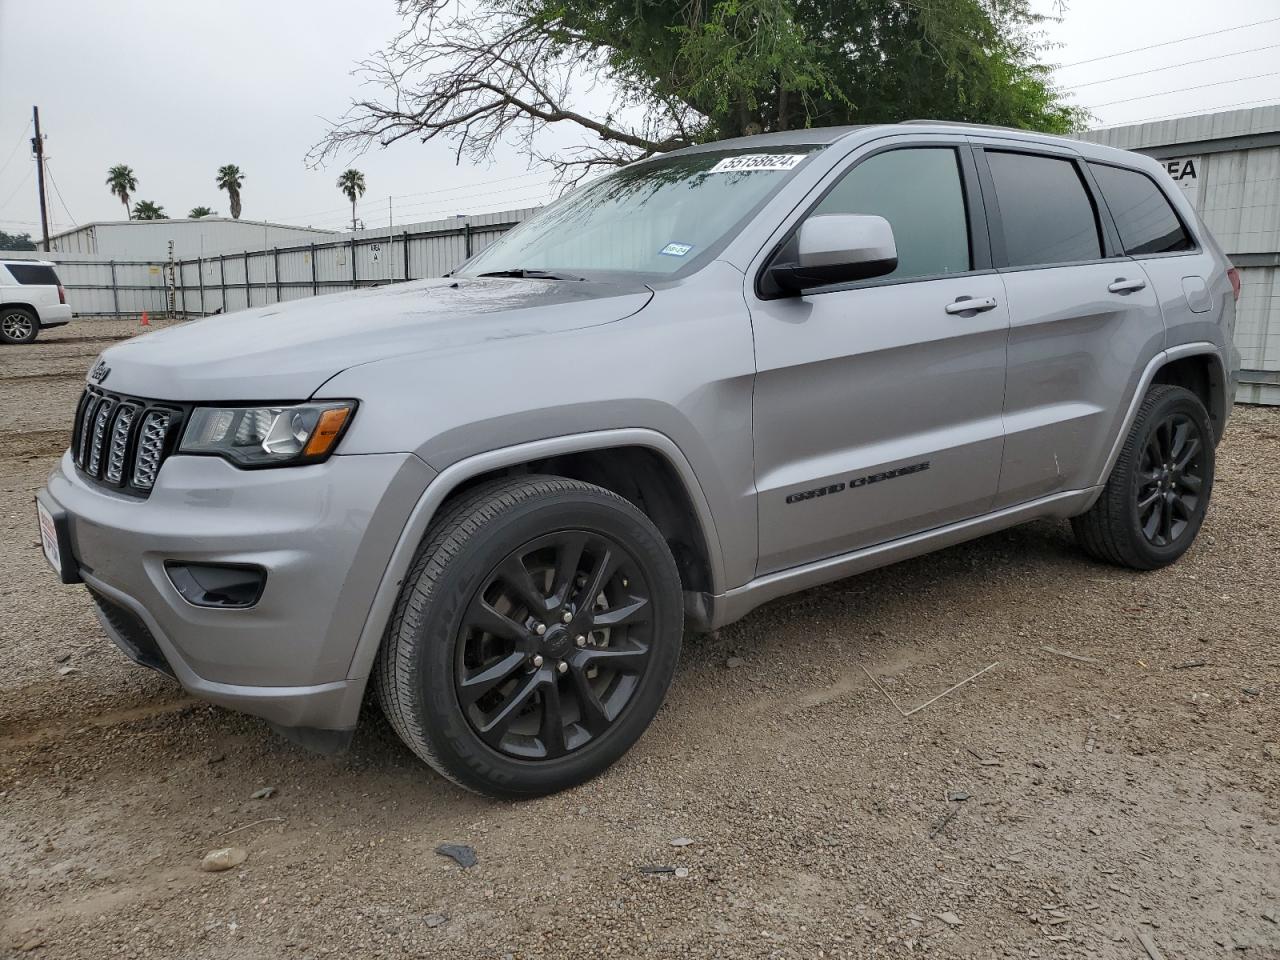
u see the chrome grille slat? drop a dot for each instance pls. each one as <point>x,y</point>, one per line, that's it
<point>101,417</point>
<point>146,463</point>
<point>86,426</point>
<point>120,431</point>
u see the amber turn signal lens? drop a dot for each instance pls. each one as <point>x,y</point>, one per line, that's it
<point>326,432</point>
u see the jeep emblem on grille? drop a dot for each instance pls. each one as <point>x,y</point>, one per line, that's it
<point>99,372</point>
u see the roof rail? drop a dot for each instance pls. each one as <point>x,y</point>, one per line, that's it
<point>962,123</point>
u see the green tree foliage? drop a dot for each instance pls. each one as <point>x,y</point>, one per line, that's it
<point>147,210</point>
<point>198,212</point>
<point>16,241</point>
<point>689,71</point>
<point>122,182</point>
<point>230,178</point>
<point>351,183</point>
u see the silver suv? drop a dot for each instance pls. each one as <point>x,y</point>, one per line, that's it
<point>699,383</point>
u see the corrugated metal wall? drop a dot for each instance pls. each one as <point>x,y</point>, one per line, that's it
<point>149,239</point>
<point>101,286</point>
<point>1237,194</point>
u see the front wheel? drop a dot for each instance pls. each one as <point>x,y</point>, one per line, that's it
<point>18,325</point>
<point>535,636</point>
<point>1155,499</point>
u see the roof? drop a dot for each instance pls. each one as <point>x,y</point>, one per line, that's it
<point>210,219</point>
<point>823,136</point>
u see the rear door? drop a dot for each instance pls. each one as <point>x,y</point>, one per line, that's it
<point>1187,276</point>
<point>1084,319</point>
<point>877,405</point>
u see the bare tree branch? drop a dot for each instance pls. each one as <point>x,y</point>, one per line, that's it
<point>479,80</point>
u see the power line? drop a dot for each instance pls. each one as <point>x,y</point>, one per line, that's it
<point>22,184</point>
<point>1169,43</point>
<point>14,151</point>
<point>422,193</point>
<point>1201,86</point>
<point>65,208</point>
<point>1172,66</point>
<point>1192,113</point>
<point>493,206</point>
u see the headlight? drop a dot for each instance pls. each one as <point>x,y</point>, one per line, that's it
<point>267,436</point>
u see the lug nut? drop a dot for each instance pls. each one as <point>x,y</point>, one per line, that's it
<point>537,659</point>
<point>566,616</point>
<point>626,582</point>
<point>540,629</point>
<point>562,667</point>
<point>580,640</point>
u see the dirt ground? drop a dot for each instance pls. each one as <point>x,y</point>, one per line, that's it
<point>1133,792</point>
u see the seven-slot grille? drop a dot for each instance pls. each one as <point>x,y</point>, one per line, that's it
<point>120,441</point>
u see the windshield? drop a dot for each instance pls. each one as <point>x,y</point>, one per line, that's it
<point>653,217</point>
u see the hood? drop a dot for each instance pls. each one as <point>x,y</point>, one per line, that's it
<point>286,351</point>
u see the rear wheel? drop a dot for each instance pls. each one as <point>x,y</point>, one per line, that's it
<point>1155,499</point>
<point>18,325</point>
<point>535,637</point>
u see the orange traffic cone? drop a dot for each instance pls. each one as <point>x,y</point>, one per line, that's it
<point>145,321</point>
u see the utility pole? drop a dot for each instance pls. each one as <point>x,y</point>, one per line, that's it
<point>37,144</point>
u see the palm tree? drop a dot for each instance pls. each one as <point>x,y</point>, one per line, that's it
<point>122,182</point>
<point>230,179</point>
<point>351,182</point>
<point>147,210</point>
<point>198,212</point>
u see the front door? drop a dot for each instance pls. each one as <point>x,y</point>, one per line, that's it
<point>877,407</point>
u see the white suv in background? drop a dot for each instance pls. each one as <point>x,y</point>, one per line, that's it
<point>31,298</point>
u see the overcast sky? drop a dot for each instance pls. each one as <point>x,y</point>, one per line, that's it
<point>175,90</point>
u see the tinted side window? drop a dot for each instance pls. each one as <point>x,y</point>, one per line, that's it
<point>1142,213</point>
<point>918,190</point>
<point>29,273</point>
<point>1047,213</point>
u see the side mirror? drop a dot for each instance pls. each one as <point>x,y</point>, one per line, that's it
<point>838,248</point>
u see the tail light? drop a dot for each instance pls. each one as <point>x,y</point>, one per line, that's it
<point>1234,276</point>
<point>62,294</point>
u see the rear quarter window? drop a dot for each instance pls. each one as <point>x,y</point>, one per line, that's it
<point>29,274</point>
<point>1143,215</point>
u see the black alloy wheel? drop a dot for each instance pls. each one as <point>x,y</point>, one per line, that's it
<point>1170,479</point>
<point>1156,498</point>
<point>537,632</point>
<point>554,644</point>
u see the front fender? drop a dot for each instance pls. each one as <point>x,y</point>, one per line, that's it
<point>449,480</point>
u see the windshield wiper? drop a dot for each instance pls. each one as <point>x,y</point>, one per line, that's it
<point>527,274</point>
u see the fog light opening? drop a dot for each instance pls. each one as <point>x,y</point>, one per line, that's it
<point>233,586</point>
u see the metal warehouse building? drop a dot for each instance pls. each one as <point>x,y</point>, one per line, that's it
<point>149,239</point>
<point>1228,164</point>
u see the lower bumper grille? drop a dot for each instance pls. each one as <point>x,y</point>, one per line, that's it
<point>138,641</point>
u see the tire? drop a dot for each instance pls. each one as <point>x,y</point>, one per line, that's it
<point>612,615</point>
<point>1147,515</point>
<point>18,325</point>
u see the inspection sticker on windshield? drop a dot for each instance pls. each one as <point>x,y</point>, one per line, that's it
<point>751,162</point>
<point>676,249</point>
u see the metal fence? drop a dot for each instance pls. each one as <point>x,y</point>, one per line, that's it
<point>97,286</point>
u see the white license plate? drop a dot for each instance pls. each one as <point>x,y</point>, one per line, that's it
<point>49,538</point>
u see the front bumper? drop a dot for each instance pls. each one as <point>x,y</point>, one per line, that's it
<point>324,534</point>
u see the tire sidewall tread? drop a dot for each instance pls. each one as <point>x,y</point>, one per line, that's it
<point>413,675</point>
<point>1110,530</point>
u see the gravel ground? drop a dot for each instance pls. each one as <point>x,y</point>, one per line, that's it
<point>1136,792</point>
